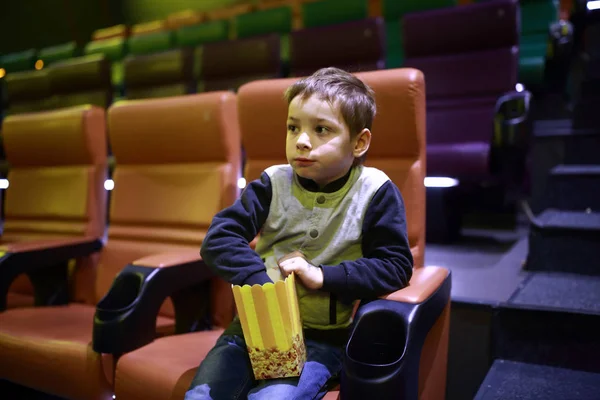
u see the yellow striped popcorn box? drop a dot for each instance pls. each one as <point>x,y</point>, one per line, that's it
<point>272,328</point>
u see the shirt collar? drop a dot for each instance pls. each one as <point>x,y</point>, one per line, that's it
<point>331,187</point>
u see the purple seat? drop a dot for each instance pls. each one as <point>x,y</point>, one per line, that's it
<point>354,46</point>
<point>470,62</point>
<point>229,64</point>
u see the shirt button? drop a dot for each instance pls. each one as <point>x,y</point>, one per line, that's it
<point>314,233</point>
<point>321,199</point>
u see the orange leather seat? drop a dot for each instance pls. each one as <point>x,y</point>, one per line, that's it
<point>398,148</point>
<point>177,165</point>
<point>58,166</point>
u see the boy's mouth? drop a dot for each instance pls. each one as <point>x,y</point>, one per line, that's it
<point>303,162</point>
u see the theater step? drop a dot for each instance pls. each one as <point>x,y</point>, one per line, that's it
<point>514,380</point>
<point>565,241</point>
<point>551,319</point>
<point>574,188</point>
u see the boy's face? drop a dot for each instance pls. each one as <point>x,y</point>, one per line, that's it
<point>318,144</point>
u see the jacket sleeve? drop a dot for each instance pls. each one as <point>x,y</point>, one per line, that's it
<point>386,265</point>
<point>226,248</point>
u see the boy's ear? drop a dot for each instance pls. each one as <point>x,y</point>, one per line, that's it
<point>362,143</point>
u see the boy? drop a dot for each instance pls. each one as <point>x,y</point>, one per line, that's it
<point>339,226</point>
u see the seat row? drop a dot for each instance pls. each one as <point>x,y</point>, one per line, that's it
<point>127,307</point>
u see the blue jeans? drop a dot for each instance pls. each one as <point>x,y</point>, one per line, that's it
<point>226,374</point>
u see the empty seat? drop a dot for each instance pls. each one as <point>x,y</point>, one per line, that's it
<point>60,52</point>
<point>56,192</point>
<point>536,18</point>
<point>21,61</point>
<point>177,165</point>
<point>116,31</point>
<point>206,32</point>
<point>169,73</point>
<point>165,368</point>
<point>82,80</point>
<point>353,46</point>
<point>469,69</point>
<point>183,18</point>
<point>331,12</point>
<point>28,91</point>
<point>150,42</point>
<point>227,65</point>
<point>393,11</point>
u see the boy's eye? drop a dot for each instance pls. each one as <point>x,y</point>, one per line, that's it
<point>291,128</point>
<point>322,130</point>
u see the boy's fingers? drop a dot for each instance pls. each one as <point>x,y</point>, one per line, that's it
<point>289,256</point>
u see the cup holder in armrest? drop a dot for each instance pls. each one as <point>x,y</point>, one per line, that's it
<point>379,340</point>
<point>383,354</point>
<point>121,296</point>
<point>125,317</point>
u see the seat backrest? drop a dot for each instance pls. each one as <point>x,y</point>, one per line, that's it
<point>169,73</point>
<point>467,68</point>
<point>330,12</point>
<point>397,147</point>
<point>229,64</point>
<point>177,165</point>
<point>21,61</point>
<point>58,166</point>
<point>353,46</point>
<point>28,91</point>
<point>59,52</point>
<point>82,80</point>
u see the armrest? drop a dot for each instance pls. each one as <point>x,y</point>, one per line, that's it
<point>46,264</point>
<point>384,351</point>
<point>125,317</point>
<point>423,283</point>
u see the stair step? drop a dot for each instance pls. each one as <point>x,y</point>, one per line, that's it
<point>574,188</point>
<point>565,241</point>
<point>559,291</point>
<point>515,380</point>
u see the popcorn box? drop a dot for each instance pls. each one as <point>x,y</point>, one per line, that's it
<point>270,319</point>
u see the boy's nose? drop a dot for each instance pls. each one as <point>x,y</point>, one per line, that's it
<point>303,142</point>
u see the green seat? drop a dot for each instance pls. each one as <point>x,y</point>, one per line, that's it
<point>82,80</point>
<point>196,35</point>
<point>275,20</point>
<point>60,52</point>
<point>114,49</point>
<point>536,17</point>
<point>329,12</point>
<point>22,61</point>
<point>392,11</point>
<point>154,42</point>
<point>28,91</point>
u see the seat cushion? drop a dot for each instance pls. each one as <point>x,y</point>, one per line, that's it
<point>49,349</point>
<point>16,300</point>
<point>163,369</point>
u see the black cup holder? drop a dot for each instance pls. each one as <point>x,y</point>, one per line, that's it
<point>378,340</point>
<point>122,294</point>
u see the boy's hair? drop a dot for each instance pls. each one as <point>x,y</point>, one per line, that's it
<point>355,99</point>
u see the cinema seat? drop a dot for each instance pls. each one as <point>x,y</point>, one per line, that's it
<point>55,205</point>
<point>165,368</point>
<point>177,165</point>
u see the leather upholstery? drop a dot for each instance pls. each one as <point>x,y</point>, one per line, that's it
<point>178,160</point>
<point>241,60</point>
<point>117,31</point>
<point>353,46</point>
<point>468,68</point>
<point>164,70</point>
<point>164,369</point>
<point>399,96</point>
<point>60,156</point>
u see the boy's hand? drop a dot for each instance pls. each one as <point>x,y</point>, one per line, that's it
<point>311,276</point>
